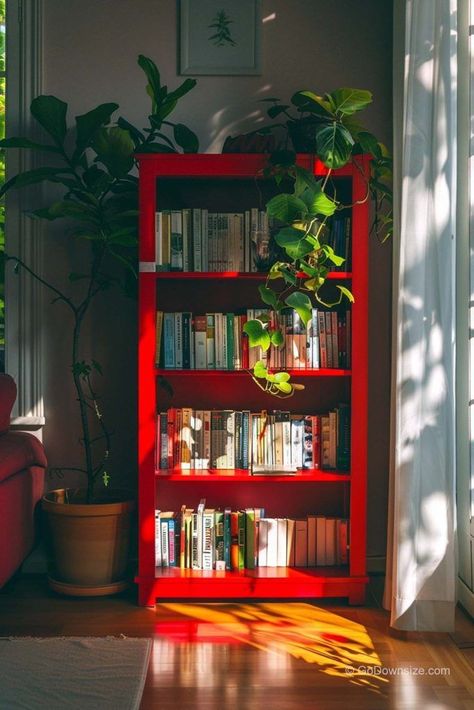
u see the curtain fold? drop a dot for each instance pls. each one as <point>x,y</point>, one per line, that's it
<point>421,576</point>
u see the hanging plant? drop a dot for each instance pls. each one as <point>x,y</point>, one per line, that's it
<point>303,212</point>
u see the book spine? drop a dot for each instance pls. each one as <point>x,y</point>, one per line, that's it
<point>200,342</point>
<point>250,538</point>
<point>164,544</point>
<point>187,348</point>
<point>178,343</point>
<point>245,445</point>
<point>163,460</point>
<point>207,540</point>
<point>262,542</point>
<point>171,542</point>
<point>168,333</point>
<point>210,341</point>
<point>219,536</point>
<point>241,539</point>
<point>176,241</point>
<point>230,340</point>
<point>158,240</point>
<point>205,240</point>
<point>227,538</point>
<point>158,558</point>
<point>187,240</point>
<point>197,239</point>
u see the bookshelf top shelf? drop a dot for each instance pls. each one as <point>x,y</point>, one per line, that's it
<point>223,275</point>
<point>229,164</point>
<point>232,475</point>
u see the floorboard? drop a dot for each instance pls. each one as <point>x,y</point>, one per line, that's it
<point>284,656</point>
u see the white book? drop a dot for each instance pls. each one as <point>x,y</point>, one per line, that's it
<point>330,541</point>
<point>311,541</point>
<point>207,439</point>
<point>297,433</point>
<point>158,238</point>
<point>320,541</point>
<point>200,513</point>
<point>262,542</point>
<point>281,542</point>
<point>290,542</point>
<point>208,539</point>
<point>301,543</point>
<point>314,339</point>
<point>164,543</point>
<point>219,328</point>
<point>197,239</point>
<point>272,542</point>
<point>205,240</point>
<point>229,422</point>
<point>157,539</point>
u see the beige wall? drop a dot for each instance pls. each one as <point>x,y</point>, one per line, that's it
<point>90,53</point>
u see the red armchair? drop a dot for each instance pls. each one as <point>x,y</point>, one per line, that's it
<point>22,465</point>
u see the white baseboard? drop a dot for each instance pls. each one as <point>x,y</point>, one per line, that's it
<point>376,564</point>
<point>466,597</point>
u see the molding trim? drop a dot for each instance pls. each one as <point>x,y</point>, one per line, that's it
<point>23,236</point>
<point>466,597</point>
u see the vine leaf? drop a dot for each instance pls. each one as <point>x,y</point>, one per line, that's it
<point>301,304</point>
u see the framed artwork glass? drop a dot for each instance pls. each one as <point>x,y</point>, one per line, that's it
<point>220,37</point>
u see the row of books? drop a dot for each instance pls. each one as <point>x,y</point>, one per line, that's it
<point>209,539</point>
<point>216,340</point>
<point>340,240</point>
<point>199,240</point>
<point>262,442</point>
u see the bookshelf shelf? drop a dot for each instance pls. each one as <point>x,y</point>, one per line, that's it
<point>263,583</point>
<point>224,275</point>
<point>184,182</point>
<point>322,372</point>
<point>232,475</point>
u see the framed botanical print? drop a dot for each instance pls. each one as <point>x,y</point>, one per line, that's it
<point>220,37</point>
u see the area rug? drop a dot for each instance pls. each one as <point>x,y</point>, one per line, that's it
<point>73,673</point>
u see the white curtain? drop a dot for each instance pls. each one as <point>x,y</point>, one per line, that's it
<point>421,576</point>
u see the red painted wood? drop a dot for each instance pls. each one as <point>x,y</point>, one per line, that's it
<point>262,583</point>
<point>217,276</point>
<point>322,372</point>
<point>235,474</point>
<point>360,353</point>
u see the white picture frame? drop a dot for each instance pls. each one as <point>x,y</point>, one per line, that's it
<point>220,37</point>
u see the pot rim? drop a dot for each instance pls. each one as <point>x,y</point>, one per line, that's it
<point>124,504</point>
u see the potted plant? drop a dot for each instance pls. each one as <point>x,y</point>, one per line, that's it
<point>325,126</point>
<point>94,164</point>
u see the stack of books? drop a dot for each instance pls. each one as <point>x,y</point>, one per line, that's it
<point>202,241</point>
<point>216,341</point>
<point>262,442</point>
<point>210,539</point>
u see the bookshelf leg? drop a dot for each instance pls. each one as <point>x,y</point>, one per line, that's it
<point>357,595</point>
<point>146,595</point>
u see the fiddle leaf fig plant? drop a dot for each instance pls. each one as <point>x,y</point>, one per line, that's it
<point>332,133</point>
<point>93,162</point>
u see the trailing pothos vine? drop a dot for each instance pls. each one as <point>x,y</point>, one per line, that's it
<point>295,280</point>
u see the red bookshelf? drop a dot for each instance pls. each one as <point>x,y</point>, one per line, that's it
<point>307,492</point>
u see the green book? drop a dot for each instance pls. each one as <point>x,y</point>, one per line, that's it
<point>241,539</point>
<point>230,340</point>
<point>250,538</point>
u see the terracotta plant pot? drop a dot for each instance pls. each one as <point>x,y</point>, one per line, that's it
<point>88,544</point>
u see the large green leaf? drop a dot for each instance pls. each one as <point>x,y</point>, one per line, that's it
<point>267,295</point>
<point>136,135</point>
<point>88,123</point>
<point>369,144</point>
<point>31,177</point>
<point>114,149</point>
<point>309,101</point>
<point>26,143</point>
<point>286,208</point>
<point>289,236</point>
<point>349,101</point>
<point>334,145</point>
<point>185,138</point>
<point>153,76</point>
<point>318,202</point>
<point>301,304</point>
<point>258,334</point>
<point>183,89</point>
<point>50,113</point>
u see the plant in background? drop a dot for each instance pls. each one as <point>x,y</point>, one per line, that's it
<point>94,164</point>
<point>335,137</point>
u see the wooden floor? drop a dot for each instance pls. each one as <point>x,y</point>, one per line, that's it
<point>263,655</point>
